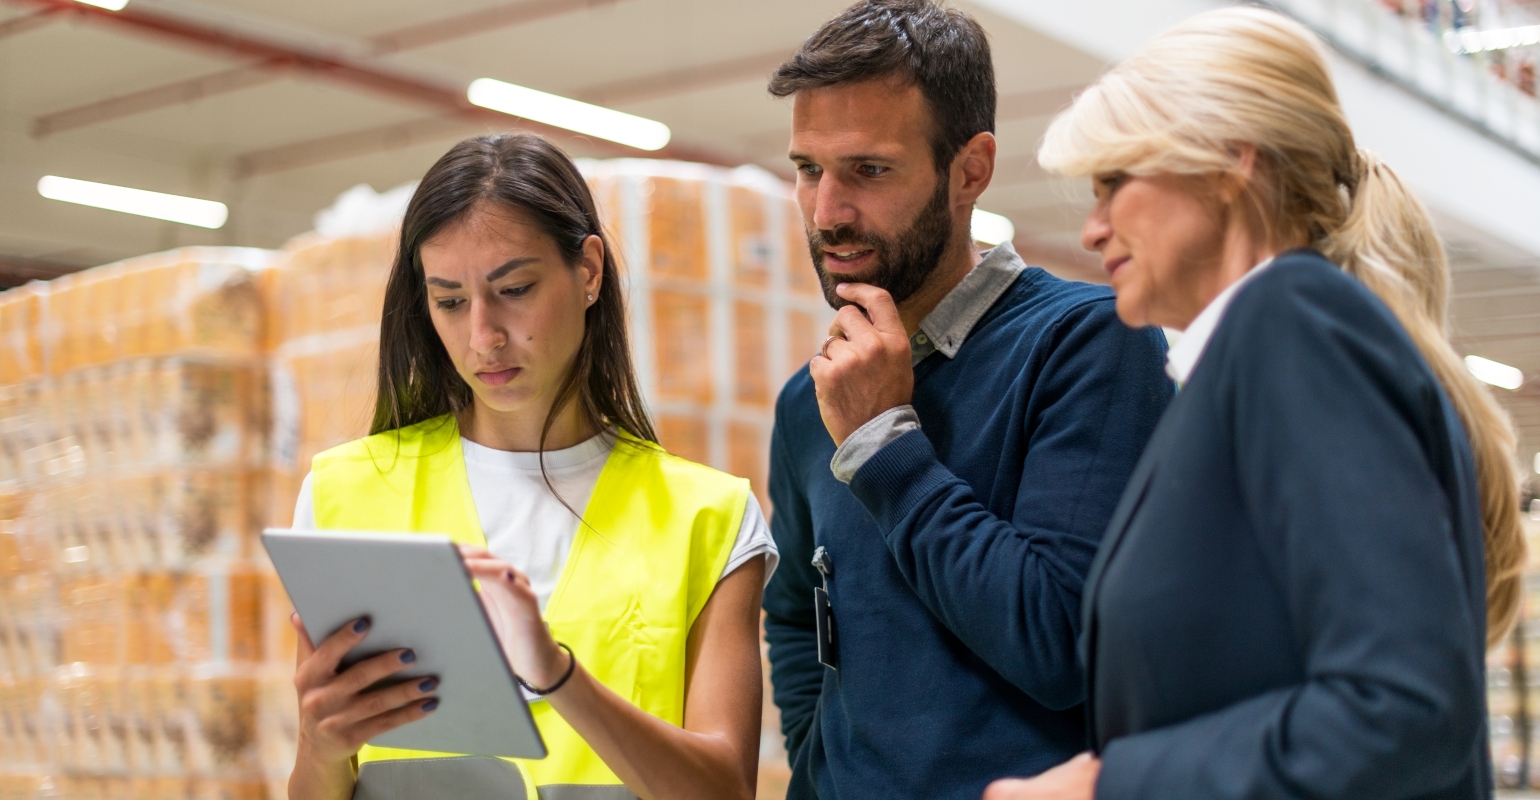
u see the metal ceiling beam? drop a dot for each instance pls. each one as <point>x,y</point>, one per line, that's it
<point>22,24</point>
<point>1490,293</point>
<point>182,92</point>
<point>449,100</point>
<point>1493,337</point>
<point>682,81</point>
<point>348,145</point>
<point>476,22</point>
<point>247,47</point>
<point>390,137</point>
<point>630,90</point>
<point>1485,318</point>
<point>165,96</point>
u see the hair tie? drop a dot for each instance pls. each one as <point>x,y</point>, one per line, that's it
<point>571,668</point>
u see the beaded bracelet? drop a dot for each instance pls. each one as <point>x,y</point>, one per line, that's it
<point>571,668</point>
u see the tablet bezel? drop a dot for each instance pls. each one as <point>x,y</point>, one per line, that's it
<point>335,577</point>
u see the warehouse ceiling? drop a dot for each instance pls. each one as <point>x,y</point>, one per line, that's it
<point>274,107</point>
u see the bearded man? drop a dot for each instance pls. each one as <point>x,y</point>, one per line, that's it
<point>952,456</point>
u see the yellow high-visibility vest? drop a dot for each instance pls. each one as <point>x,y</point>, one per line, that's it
<point>658,532</point>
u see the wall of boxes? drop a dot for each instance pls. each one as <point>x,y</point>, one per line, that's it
<point>133,425</point>
<point>155,414</point>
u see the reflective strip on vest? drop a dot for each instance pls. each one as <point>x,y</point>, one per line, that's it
<point>573,791</point>
<point>657,533</point>
<point>463,778</point>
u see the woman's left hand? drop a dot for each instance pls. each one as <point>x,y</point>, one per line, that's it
<point>1075,779</point>
<point>515,615</point>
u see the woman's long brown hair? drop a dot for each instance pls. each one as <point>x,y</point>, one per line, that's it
<point>417,380</point>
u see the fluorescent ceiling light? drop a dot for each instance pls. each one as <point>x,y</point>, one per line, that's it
<point>1500,375</point>
<point>991,229</point>
<point>1467,40</point>
<point>169,207</point>
<point>563,112</point>
<point>110,5</point>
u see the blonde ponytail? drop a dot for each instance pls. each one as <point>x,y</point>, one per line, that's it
<point>1388,243</point>
<point>1188,100</point>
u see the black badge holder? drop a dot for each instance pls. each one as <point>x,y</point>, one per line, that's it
<point>828,642</point>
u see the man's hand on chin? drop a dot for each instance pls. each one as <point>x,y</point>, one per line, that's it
<point>865,366</point>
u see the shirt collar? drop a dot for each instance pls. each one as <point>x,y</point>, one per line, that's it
<point>948,325</point>
<point>1183,356</point>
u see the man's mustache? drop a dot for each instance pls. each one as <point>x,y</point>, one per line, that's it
<point>844,236</point>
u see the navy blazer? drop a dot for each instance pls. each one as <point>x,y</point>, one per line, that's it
<point>1290,598</point>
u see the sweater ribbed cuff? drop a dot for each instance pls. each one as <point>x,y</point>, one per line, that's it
<point>898,477</point>
<point>876,434</point>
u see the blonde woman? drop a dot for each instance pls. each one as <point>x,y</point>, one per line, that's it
<point>1296,592</point>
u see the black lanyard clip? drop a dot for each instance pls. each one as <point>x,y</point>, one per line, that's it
<point>823,612</point>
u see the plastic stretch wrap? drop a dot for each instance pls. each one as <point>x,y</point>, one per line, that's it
<point>133,441</point>
<point>725,304</point>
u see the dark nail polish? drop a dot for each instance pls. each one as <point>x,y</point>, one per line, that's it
<point>408,657</point>
<point>430,705</point>
<point>361,625</point>
<point>427,685</point>
<point>508,574</point>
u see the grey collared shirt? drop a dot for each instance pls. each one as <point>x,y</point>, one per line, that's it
<point>943,330</point>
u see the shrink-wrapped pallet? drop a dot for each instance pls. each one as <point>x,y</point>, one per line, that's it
<point>725,304</point>
<point>325,299</point>
<point>208,614</point>
<point>21,352</point>
<point>193,300</point>
<point>133,426</point>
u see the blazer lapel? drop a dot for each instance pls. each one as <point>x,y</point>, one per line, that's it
<point>1133,497</point>
<point>1128,505</point>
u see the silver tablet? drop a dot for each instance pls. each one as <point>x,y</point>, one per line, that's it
<point>416,593</point>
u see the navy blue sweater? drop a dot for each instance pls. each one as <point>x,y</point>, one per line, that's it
<point>959,552</point>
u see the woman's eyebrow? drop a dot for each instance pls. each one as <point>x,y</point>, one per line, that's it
<point>510,266</point>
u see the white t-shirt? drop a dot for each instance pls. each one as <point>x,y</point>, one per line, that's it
<point>527,526</point>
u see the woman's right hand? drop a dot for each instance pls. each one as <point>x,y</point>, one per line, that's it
<point>337,711</point>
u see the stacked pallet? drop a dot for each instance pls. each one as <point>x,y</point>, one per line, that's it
<point>132,424</point>
<point>324,297</point>
<point>724,302</point>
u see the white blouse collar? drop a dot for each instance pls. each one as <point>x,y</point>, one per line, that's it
<point>1183,356</point>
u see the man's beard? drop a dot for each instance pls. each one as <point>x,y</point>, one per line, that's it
<point>903,262</point>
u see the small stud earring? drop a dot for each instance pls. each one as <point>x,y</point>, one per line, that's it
<point>590,298</point>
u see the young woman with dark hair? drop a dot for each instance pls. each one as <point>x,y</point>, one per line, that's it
<point>623,582</point>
